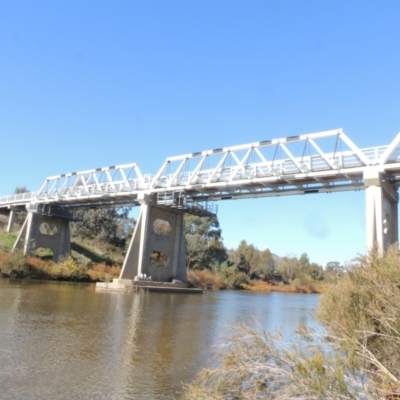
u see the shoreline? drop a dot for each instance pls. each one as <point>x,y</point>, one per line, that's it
<point>253,286</point>
<point>306,288</point>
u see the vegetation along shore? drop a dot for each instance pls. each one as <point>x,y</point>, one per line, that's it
<point>101,237</point>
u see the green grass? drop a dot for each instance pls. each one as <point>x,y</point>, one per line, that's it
<point>90,254</point>
<point>7,241</point>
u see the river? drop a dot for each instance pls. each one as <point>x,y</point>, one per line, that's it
<point>66,341</point>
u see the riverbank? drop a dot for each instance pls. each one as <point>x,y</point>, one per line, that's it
<point>16,265</point>
<point>209,280</point>
<point>296,287</point>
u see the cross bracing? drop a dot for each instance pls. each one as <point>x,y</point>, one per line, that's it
<point>318,162</point>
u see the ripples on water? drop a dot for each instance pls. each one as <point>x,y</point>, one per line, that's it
<point>65,341</point>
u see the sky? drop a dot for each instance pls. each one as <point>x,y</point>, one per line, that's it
<point>88,84</point>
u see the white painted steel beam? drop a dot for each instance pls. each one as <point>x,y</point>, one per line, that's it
<point>390,150</point>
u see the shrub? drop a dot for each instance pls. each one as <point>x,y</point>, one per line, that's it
<point>206,279</point>
<point>15,265</point>
<point>357,357</point>
<point>44,253</point>
<point>254,364</point>
<point>102,272</point>
<point>69,269</point>
<point>363,311</point>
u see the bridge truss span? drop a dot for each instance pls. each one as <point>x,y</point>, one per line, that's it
<point>319,162</point>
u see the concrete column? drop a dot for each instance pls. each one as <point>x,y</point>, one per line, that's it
<point>148,242</point>
<point>11,218</point>
<point>381,210</point>
<point>47,232</point>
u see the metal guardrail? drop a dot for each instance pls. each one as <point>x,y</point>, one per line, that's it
<point>21,198</point>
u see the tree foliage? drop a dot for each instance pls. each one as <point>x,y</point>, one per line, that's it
<point>255,263</point>
<point>112,225</point>
<point>207,227</point>
<point>203,242</point>
<point>301,269</point>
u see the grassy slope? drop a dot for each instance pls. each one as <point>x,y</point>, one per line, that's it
<point>7,241</point>
<point>95,251</point>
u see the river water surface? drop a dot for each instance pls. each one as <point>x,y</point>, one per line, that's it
<point>66,341</point>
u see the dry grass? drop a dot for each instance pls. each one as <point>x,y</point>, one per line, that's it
<point>205,279</point>
<point>254,364</point>
<point>103,272</point>
<point>363,310</point>
<point>17,265</point>
<point>210,280</point>
<point>262,286</point>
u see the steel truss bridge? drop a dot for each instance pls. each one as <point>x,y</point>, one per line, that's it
<point>311,163</point>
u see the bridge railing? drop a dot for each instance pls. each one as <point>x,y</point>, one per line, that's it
<point>374,153</point>
<point>103,188</point>
<point>19,198</point>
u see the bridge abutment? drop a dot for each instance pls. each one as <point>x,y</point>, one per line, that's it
<point>42,231</point>
<point>381,210</point>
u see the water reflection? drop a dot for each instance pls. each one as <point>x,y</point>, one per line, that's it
<point>60,340</point>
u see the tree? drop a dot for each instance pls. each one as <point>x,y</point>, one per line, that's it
<point>288,268</point>
<point>203,242</point>
<point>111,225</point>
<point>203,226</point>
<point>196,251</point>
<point>309,270</point>
<point>255,263</point>
<point>315,272</point>
<point>333,270</point>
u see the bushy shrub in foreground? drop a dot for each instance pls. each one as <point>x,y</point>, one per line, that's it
<point>357,357</point>
<point>362,311</point>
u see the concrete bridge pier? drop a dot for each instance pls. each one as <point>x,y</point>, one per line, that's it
<point>11,219</point>
<point>157,247</point>
<point>381,210</point>
<point>46,232</point>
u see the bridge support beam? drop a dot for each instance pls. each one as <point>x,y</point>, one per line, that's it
<point>11,219</point>
<point>46,232</point>
<point>157,247</point>
<point>381,210</point>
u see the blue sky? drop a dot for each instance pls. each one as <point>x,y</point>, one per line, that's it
<point>88,84</point>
